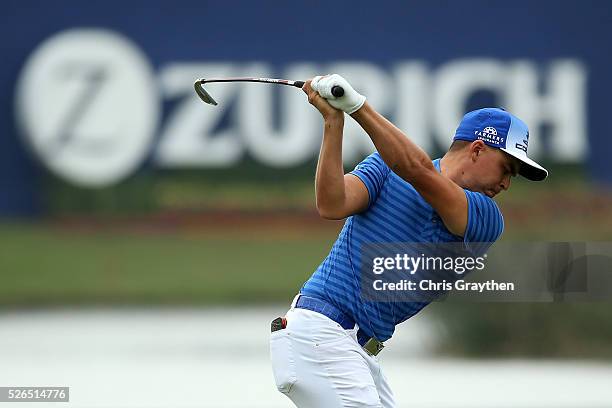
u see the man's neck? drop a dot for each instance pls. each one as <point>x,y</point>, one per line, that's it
<point>450,166</point>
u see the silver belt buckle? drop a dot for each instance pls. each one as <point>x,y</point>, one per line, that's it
<point>373,347</point>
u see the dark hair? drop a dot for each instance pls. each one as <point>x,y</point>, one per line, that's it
<point>458,145</point>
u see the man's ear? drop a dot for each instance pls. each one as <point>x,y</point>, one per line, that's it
<point>476,148</point>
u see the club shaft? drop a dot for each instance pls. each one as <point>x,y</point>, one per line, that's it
<point>337,91</point>
<point>297,84</point>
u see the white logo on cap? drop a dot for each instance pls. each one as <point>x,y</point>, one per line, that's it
<point>488,134</point>
<point>490,130</point>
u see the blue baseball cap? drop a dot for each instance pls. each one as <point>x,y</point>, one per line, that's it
<point>500,129</point>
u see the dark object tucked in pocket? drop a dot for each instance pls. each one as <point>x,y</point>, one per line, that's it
<point>278,324</point>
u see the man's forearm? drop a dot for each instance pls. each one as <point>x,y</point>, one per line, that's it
<point>402,155</point>
<point>329,180</point>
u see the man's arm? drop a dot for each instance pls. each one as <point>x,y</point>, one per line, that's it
<point>412,164</point>
<point>338,195</point>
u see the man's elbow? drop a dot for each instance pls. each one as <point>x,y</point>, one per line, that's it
<point>330,212</point>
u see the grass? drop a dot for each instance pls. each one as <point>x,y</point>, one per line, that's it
<point>228,262</point>
<point>42,265</point>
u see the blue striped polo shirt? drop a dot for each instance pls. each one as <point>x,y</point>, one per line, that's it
<point>396,213</point>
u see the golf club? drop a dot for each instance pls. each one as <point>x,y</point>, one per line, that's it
<point>337,91</point>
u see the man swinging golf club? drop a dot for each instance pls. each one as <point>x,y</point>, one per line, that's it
<point>324,350</point>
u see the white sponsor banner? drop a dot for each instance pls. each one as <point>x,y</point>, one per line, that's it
<point>89,104</point>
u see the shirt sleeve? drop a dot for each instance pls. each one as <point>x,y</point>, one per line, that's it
<point>485,222</point>
<point>372,171</point>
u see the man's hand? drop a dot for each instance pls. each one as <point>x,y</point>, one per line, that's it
<point>350,102</point>
<point>327,111</point>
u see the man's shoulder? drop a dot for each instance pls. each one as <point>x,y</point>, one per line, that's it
<point>482,201</point>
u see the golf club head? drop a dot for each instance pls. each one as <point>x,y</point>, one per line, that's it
<point>204,96</point>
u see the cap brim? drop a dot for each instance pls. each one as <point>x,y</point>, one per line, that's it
<point>529,168</point>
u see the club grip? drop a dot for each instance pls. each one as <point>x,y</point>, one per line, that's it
<point>336,90</point>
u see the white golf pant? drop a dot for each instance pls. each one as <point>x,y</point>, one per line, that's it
<point>318,364</point>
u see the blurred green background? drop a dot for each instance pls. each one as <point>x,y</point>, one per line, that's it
<point>206,238</point>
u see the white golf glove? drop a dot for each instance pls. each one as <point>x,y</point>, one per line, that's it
<point>349,102</point>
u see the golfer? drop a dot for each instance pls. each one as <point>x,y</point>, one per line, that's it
<point>324,351</point>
